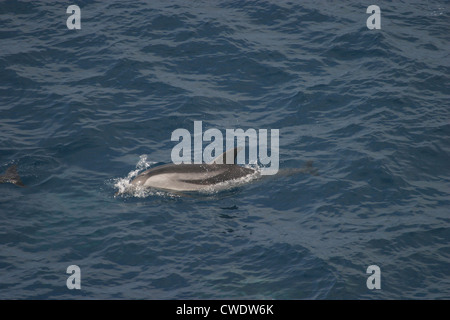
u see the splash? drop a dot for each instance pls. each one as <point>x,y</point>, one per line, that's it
<point>126,189</point>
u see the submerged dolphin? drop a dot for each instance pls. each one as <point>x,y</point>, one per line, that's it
<point>191,177</point>
<point>11,176</point>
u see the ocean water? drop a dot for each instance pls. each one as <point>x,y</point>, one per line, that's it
<point>82,110</point>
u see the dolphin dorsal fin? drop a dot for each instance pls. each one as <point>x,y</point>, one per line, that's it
<point>13,177</point>
<point>222,159</point>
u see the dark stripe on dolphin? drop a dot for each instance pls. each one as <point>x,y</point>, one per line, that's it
<point>230,172</point>
<point>192,177</point>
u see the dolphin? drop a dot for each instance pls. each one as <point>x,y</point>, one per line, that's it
<point>11,176</point>
<point>181,178</point>
<point>192,177</point>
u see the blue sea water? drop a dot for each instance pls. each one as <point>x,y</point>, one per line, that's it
<point>82,109</point>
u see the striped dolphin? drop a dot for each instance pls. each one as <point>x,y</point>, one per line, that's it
<point>192,177</point>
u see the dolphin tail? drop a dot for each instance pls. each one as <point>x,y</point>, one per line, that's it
<point>308,168</point>
<point>13,177</point>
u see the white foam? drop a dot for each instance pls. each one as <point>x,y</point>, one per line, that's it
<point>124,186</point>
